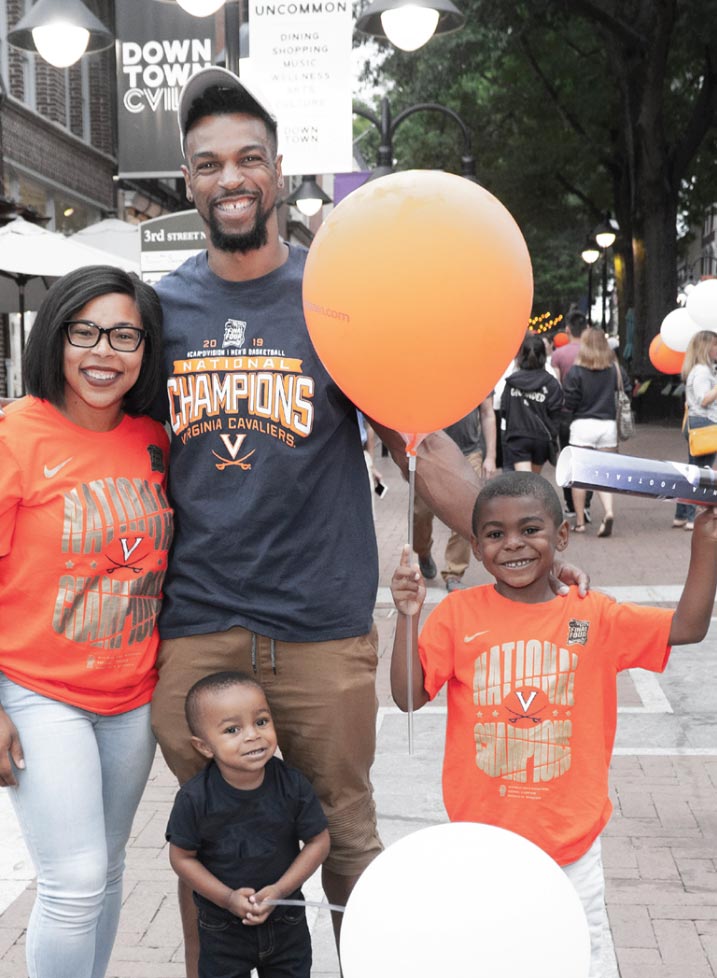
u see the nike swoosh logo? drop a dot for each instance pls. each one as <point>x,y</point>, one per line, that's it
<point>469,638</point>
<point>50,472</point>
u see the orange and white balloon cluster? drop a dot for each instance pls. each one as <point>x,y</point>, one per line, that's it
<point>667,349</point>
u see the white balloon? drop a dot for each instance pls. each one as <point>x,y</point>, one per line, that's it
<point>677,329</point>
<point>702,304</point>
<point>468,900</point>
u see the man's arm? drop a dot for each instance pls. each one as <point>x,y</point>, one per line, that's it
<point>694,610</point>
<point>445,480</point>
<point>449,486</point>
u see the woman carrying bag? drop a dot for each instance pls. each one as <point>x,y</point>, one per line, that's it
<point>700,377</point>
<point>590,390</point>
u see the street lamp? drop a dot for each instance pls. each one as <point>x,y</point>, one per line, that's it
<point>61,31</point>
<point>605,234</point>
<point>590,255</point>
<point>200,8</point>
<point>387,127</point>
<point>409,24</point>
<point>308,197</point>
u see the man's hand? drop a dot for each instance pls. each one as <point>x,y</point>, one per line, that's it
<point>565,574</point>
<point>488,468</point>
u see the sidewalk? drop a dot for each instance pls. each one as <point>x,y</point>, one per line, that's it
<point>660,848</point>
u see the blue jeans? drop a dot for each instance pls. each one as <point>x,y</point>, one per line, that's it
<point>75,800</point>
<point>278,948</point>
<point>686,511</point>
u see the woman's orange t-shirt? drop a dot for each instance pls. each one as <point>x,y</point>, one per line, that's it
<point>85,527</point>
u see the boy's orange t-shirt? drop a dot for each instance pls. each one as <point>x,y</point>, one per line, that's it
<point>85,527</point>
<point>532,707</point>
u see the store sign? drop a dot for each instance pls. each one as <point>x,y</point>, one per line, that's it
<point>159,47</point>
<point>300,57</point>
<point>166,242</point>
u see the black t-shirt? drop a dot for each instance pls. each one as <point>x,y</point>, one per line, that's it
<point>245,838</point>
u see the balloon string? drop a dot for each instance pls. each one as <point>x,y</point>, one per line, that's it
<point>409,629</point>
<point>321,904</point>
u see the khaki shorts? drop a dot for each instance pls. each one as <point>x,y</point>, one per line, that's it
<point>322,697</point>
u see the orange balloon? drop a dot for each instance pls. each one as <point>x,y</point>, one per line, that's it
<point>417,292</point>
<point>560,339</point>
<point>663,358</point>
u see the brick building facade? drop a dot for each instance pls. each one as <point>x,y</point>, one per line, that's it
<point>57,136</point>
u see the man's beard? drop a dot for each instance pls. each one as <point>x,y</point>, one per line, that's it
<point>251,240</point>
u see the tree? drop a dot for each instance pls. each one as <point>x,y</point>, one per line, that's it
<point>578,107</point>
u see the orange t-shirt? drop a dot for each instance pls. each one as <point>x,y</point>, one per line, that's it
<point>85,527</point>
<point>532,707</point>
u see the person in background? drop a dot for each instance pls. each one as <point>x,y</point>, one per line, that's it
<point>476,437</point>
<point>85,528</point>
<point>530,409</point>
<point>368,443</point>
<point>589,391</point>
<point>700,376</point>
<point>562,360</point>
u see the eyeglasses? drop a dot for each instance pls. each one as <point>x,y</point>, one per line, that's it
<point>122,337</point>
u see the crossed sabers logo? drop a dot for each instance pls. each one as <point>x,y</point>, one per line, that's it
<point>530,710</point>
<point>127,551</point>
<point>233,446</point>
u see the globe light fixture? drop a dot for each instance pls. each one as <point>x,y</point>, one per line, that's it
<point>605,234</point>
<point>308,197</point>
<point>590,255</point>
<point>60,31</point>
<point>409,25</point>
<point>200,8</point>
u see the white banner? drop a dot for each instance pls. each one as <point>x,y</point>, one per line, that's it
<point>300,58</point>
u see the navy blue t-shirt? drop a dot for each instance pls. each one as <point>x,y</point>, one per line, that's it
<point>246,838</point>
<point>273,523</point>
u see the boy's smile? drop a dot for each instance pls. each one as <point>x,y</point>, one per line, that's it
<point>516,542</point>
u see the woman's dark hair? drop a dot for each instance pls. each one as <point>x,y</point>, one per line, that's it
<point>531,355</point>
<point>43,359</point>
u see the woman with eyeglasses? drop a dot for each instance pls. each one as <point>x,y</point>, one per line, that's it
<point>85,528</point>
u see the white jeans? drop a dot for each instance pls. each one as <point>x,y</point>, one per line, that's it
<point>75,800</point>
<point>587,876</point>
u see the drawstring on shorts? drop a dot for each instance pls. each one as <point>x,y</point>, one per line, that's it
<point>272,652</point>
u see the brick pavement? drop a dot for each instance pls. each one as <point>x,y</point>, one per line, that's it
<point>660,848</point>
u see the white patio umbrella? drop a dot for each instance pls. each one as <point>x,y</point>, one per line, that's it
<point>30,252</point>
<point>112,235</point>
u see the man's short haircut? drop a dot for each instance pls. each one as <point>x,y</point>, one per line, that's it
<point>514,484</point>
<point>576,323</point>
<point>212,683</point>
<point>226,101</point>
<point>43,359</point>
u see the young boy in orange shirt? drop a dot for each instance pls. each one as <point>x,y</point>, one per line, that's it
<point>532,700</point>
